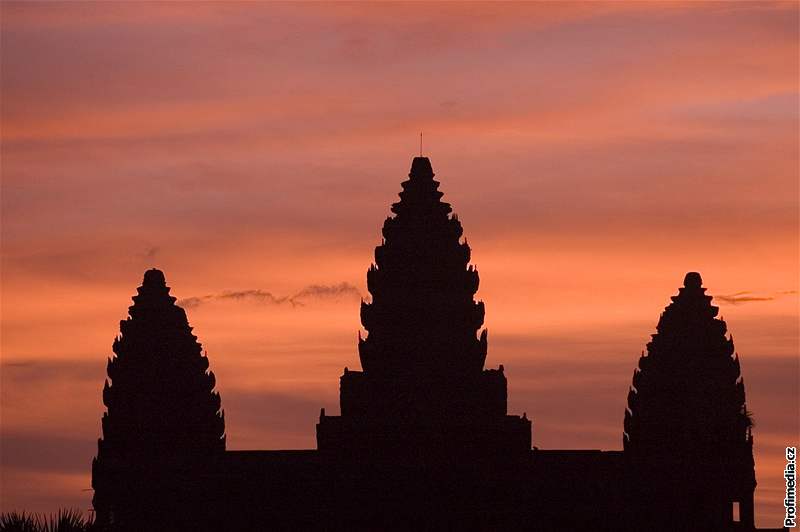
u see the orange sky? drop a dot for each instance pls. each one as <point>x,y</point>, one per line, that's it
<point>594,153</point>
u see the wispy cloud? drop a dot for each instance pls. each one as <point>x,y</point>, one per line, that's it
<point>292,125</point>
<point>749,297</point>
<point>151,252</point>
<point>314,291</point>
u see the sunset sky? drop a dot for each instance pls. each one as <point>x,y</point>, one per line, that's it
<point>594,153</point>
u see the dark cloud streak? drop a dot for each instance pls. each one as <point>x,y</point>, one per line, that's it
<point>314,291</point>
<point>748,297</point>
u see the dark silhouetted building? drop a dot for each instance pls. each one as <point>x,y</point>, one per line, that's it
<point>686,423</point>
<point>423,439</point>
<point>423,388</point>
<point>163,413</point>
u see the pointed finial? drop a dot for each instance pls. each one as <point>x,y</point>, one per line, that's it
<point>154,277</point>
<point>421,169</point>
<point>420,143</point>
<point>692,280</point>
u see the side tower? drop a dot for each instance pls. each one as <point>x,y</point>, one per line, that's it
<point>687,433</point>
<point>163,415</point>
<point>423,387</point>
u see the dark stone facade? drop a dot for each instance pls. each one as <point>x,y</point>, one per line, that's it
<point>162,408</point>
<point>423,439</point>
<point>423,386</point>
<point>687,423</point>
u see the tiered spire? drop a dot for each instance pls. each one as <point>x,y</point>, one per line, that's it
<point>688,394</point>
<point>161,400</point>
<point>423,388</point>
<point>423,318</point>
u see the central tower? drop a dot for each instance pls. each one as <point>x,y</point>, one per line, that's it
<point>423,387</point>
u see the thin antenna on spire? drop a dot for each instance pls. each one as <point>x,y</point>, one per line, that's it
<point>420,143</point>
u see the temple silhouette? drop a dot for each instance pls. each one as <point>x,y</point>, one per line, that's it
<point>423,439</point>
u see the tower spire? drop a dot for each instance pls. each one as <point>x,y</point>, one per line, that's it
<point>423,386</point>
<point>420,143</point>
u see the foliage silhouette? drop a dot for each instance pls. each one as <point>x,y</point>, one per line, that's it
<point>65,520</point>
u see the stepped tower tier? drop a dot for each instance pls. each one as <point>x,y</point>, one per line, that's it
<point>687,418</point>
<point>423,317</point>
<point>423,358</point>
<point>161,399</point>
<point>163,422</point>
<point>688,389</point>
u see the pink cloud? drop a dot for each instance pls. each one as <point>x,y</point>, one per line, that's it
<point>595,153</point>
